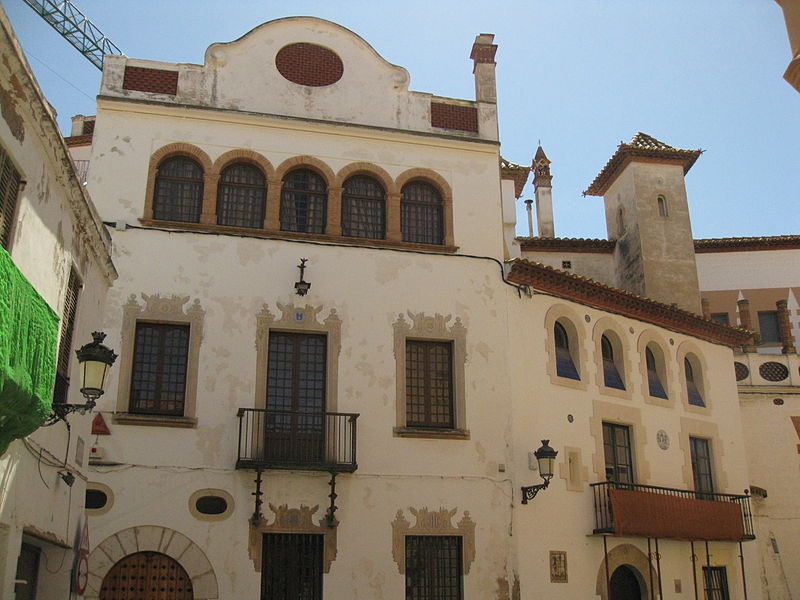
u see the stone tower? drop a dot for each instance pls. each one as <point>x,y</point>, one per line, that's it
<point>647,213</point>
<point>543,184</point>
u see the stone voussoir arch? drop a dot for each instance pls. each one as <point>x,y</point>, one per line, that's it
<point>309,162</point>
<point>627,555</point>
<point>152,538</point>
<point>366,168</point>
<point>246,156</point>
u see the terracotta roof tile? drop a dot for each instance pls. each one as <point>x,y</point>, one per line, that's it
<point>517,173</point>
<point>645,148</point>
<point>583,245</point>
<point>79,140</point>
<point>747,244</point>
<point>591,293</point>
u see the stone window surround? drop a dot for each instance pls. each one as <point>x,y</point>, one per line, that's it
<point>620,414</point>
<point>568,318</point>
<point>664,368</point>
<point>625,554</point>
<point>708,430</point>
<point>299,319</point>
<point>572,470</point>
<point>96,512</point>
<point>158,309</point>
<point>433,328</point>
<point>275,175</point>
<point>688,349</point>
<point>433,522</point>
<point>211,492</point>
<point>622,356</point>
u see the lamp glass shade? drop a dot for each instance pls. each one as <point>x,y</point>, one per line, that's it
<point>93,378</point>
<point>546,457</point>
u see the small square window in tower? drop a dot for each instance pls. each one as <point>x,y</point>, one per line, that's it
<point>433,567</point>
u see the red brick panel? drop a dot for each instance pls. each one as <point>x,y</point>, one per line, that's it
<point>452,116</point>
<point>309,64</point>
<point>644,514</point>
<point>157,81</point>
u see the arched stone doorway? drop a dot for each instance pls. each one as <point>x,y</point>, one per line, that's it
<point>147,576</point>
<point>624,584</point>
<point>624,561</point>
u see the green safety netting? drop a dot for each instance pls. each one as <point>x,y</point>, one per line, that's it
<point>28,339</point>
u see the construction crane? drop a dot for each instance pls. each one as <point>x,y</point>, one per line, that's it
<point>74,27</point>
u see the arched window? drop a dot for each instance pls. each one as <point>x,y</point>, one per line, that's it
<point>421,213</point>
<point>654,385</point>
<point>693,383</point>
<point>565,365</point>
<point>611,375</point>
<point>303,202</point>
<point>179,190</point>
<point>662,207</point>
<point>363,208</point>
<point>241,196</point>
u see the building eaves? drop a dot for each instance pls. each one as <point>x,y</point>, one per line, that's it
<point>517,173</point>
<point>747,244</point>
<point>78,140</point>
<point>643,148</point>
<point>578,245</point>
<point>591,293</point>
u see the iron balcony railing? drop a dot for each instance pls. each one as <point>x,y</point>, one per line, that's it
<point>298,440</point>
<point>673,505</point>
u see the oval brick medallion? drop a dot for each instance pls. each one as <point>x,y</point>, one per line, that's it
<point>773,371</point>
<point>742,372</point>
<point>309,64</point>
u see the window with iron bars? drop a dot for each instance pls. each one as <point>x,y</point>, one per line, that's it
<point>158,379</point>
<point>292,566</point>
<point>421,213</point>
<point>363,208</point>
<point>179,190</point>
<point>433,567</point>
<point>241,196</point>
<point>429,384</point>
<point>715,583</point>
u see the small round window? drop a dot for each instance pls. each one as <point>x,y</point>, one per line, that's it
<point>96,499</point>
<point>99,498</point>
<point>211,504</point>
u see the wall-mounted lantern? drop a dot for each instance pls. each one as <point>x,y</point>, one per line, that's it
<point>546,458</point>
<point>301,287</point>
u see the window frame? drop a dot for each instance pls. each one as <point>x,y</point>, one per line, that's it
<point>703,477</point>
<point>433,578</point>
<point>420,375</point>
<point>627,431</point>
<point>655,372</point>
<point>174,310</point>
<point>287,203</point>
<point>610,351</point>
<point>427,209</point>
<point>565,351</point>
<point>67,332</point>
<point>762,315</point>
<point>238,192</point>
<point>11,183</point>
<point>353,198</point>
<point>434,329</point>
<point>721,593</point>
<point>194,203</point>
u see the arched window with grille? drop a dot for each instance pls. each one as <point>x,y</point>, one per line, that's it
<point>565,363</point>
<point>655,386</point>
<point>612,377</point>
<point>421,213</point>
<point>304,202</point>
<point>241,196</point>
<point>363,208</point>
<point>178,190</point>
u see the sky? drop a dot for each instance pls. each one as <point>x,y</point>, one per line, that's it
<point>579,76</point>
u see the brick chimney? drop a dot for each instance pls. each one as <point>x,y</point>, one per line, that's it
<point>483,51</point>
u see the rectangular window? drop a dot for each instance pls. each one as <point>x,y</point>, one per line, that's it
<point>618,453</point>
<point>433,567</point>
<point>721,318</point>
<point>715,583</point>
<point>429,384</point>
<point>158,380</point>
<point>292,566</point>
<point>65,343</point>
<point>700,449</point>
<point>9,190</point>
<point>768,327</point>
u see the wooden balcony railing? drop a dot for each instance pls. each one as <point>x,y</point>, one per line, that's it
<point>297,440</point>
<point>649,511</point>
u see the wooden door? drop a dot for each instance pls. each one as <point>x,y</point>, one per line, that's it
<point>147,576</point>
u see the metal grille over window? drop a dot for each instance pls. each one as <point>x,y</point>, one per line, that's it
<point>429,385</point>
<point>611,375</point>
<point>67,329</point>
<point>241,196</point>
<point>291,566</point>
<point>656,389</point>
<point>773,371</point>
<point>421,213</point>
<point>565,366</point>
<point>9,189</point>
<point>742,372</point>
<point>433,567</point>
<point>303,202</point>
<point>295,427</point>
<point>715,583</point>
<point>692,390</point>
<point>701,464</point>
<point>363,208</point>
<point>179,190</point>
<point>158,380</point>
<point>618,453</point>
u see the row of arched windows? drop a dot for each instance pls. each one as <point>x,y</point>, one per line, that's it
<point>361,206</point>
<point>613,372</point>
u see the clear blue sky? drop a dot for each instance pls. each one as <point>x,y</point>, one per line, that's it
<point>579,75</point>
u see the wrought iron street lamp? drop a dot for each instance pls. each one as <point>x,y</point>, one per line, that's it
<point>301,287</point>
<point>546,457</point>
<point>95,359</point>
